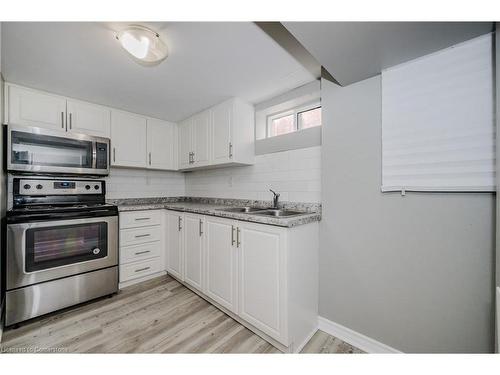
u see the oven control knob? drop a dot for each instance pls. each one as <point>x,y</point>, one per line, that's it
<point>96,187</point>
<point>96,251</point>
<point>27,186</point>
<point>87,187</point>
<point>39,186</point>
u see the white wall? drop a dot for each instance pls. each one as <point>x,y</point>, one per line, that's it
<point>140,183</point>
<point>295,174</point>
<point>413,272</point>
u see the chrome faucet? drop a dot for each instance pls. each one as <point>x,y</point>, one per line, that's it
<point>275,198</point>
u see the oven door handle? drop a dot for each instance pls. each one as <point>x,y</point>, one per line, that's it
<point>27,218</point>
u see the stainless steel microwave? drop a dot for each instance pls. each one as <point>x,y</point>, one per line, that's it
<point>38,150</point>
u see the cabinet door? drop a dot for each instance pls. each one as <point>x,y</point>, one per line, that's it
<point>201,138</point>
<point>128,140</point>
<point>161,138</point>
<point>221,262</point>
<point>34,108</point>
<point>185,143</point>
<point>262,278</point>
<point>193,250</point>
<point>86,118</point>
<point>222,146</point>
<point>174,258</point>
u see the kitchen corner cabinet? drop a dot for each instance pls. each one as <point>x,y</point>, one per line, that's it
<point>262,275</point>
<point>40,109</point>
<point>128,140</point>
<point>222,135</point>
<point>194,140</point>
<point>141,142</point>
<point>161,144</point>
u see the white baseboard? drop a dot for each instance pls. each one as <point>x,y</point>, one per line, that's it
<point>354,338</point>
<point>298,348</point>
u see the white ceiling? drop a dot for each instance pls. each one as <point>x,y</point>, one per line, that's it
<point>353,51</point>
<point>207,63</point>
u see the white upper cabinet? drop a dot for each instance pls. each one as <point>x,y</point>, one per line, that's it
<point>185,144</point>
<point>221,135</point>
<point>222,147</point>
<point>128,140</point>
<point>35,108</point>
<point>194,141</point>
<point>162,141</point>
<point>201,139</point>
<point>88,119</point>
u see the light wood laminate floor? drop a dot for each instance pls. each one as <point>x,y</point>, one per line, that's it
<point>156,316</point>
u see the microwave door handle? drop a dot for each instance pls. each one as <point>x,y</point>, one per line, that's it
<point>94,155</point>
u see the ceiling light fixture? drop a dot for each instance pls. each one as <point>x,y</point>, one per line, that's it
<point>143,44</point>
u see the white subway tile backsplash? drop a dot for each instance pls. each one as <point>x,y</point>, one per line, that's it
<point>295,174</point>
<point>140,183</point>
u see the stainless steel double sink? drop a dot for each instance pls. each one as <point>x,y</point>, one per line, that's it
<point>264,211</point>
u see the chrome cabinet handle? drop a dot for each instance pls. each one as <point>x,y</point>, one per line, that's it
<point>238,242</point>
<point>201,227</point>
<point>150,158</point>
<point>62,120</point>
<point>70,120</point>
<point>232,235</point>
<point>142,252</point>
<point>141,218</point>
<point>114,154</point>
<point>180,223</point>
<point>142,269</point>
<point>230,149</point>
<point>142,235</point>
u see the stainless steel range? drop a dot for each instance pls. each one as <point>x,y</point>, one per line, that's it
<point>61,246</point>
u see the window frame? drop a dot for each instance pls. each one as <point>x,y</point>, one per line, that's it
<point>295,111</point>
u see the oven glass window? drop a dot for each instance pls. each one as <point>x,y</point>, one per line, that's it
<point>50,247</point>
<point>45,150</point>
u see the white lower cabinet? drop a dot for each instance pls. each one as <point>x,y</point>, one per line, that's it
<point>265,276</point>
<point>141,246</point>
<point>221,262</point>
<point>193,250</point>
<point>262,278</point>
<point>174,240</point>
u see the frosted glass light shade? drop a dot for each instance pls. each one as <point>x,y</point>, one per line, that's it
<point>143,44</point>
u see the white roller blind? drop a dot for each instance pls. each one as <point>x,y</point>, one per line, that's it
<point>438,130</point>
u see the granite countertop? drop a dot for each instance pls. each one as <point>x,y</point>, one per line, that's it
<point>215,207</point>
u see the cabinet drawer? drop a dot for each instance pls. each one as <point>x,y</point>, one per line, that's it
<point>130,254</point>
<point>137,219</point>
<point>139,269</point>
<point>138,236</point>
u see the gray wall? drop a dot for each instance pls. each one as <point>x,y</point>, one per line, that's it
<point>497,61</point>
<point>2,187</point>
<point>413,272</point>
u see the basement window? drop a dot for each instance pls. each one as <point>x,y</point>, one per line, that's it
<point>293,120</point>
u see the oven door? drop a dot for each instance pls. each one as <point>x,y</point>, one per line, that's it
<point>42,251</point>
<point>47,151</point>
